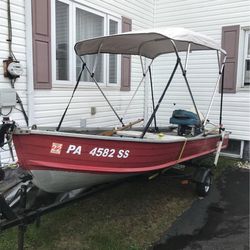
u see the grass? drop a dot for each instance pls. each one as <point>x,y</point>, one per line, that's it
<point>130,216</point>
<point>223,164</point>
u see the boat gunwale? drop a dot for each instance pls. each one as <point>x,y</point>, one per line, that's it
<point>20,131</point>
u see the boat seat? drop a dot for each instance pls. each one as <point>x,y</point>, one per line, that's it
<point>153,136</point>
<point>184,117</point>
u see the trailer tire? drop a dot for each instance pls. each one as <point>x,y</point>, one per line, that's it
<point>203,188</point>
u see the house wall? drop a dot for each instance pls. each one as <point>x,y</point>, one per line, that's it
<point>206,17</point>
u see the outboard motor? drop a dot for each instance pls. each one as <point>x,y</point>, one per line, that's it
<point>5,128</point>
<point>187,121</point>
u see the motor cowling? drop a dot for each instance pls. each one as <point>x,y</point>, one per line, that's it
<point>187,121</point>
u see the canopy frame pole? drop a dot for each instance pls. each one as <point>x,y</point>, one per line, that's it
<point>138,86</point>
<point>151,85</point>
<point>160,99</point>
<point>152,96</point>
<point>103,94</point>
<point>187,57</point>
<point>221,70</point>
<point>221,98</point>
<point>142,67</point>
<point>218,58</point>
<point>186,80</point>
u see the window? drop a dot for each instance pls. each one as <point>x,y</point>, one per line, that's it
<point>235,149</point>
<point>113,29</point>
<point>74,22</point>
<point>89,25</point>
<point>62,41</point>
<point>246,67</point>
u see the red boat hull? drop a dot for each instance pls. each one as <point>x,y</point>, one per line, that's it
<point>99,155</point>
<point>41,151</point>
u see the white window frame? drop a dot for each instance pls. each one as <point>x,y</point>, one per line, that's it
<point>53,44</point>
<point>72,40</point>
<point>118,20</point>
<point>245,55</point>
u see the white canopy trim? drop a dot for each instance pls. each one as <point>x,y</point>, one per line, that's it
<point>149,43</point>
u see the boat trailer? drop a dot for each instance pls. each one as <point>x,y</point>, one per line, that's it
<point>21,215</point>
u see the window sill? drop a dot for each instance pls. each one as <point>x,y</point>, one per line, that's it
<point>86,86</point>
<point>244,89</point>
<point>232,155</point>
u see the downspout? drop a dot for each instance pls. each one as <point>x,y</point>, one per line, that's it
<point>29,61</point>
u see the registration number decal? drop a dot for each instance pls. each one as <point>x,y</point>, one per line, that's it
<point>110,152</point>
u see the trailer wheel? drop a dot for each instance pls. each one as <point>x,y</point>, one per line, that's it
<point>202,188</point>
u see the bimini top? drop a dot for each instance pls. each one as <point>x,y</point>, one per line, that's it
<point>149,43</point>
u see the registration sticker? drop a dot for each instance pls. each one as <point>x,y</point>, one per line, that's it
<point>56,148</point>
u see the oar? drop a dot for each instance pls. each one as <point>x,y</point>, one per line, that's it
<point>111,132</point>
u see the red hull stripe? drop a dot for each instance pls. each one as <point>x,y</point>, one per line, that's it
<point>71,167</point>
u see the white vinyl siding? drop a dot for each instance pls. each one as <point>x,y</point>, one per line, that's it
<point>19,50</point>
